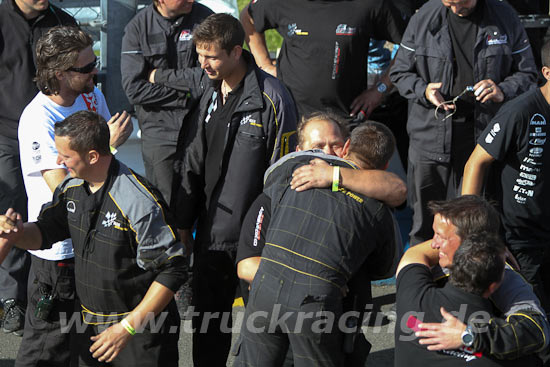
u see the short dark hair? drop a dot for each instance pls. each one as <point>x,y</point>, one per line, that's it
<point>373,143</point>
<point>469,214</point>
<point>323,116</point>
<point>87,131</point>
<point>222,29</point>
<point>545,54</point>
<point>478,262</point>
<point>58,50</point>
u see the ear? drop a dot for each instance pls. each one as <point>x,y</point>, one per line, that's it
<point>546,72</point>
<point>345,149</point>
<point>492,288</point>
<point>93,157</point>
<point>59,75</point>
<point>236,52</point>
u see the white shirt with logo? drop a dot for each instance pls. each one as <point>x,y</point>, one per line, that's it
<point>38,153</point>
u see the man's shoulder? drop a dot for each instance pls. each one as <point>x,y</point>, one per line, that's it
<point>521,108</point>
<point>64,17</point>
<point>303,157</point>
<point>37,112</point>
<point>270,85</point>
<point>201,11</point>
<point>137,23</point>
<point>430,7</point>
<point>133,194</point>
<point>70,183</point>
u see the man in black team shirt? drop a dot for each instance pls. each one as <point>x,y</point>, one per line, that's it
<point>516,138</point>
<point>448,46</point>
<point>323,60</point>
<point>22,22</point>
<point>478,269</point>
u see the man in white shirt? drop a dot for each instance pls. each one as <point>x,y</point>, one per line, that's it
<point>66,65</point>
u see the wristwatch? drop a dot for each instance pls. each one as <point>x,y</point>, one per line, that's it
<point>381,87</point>
<point>468,337</point>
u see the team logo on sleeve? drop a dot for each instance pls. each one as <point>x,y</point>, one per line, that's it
<point>36,154</point>
<point>491,135</point>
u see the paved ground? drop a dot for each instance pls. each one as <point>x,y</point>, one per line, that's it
<point>380,336</point>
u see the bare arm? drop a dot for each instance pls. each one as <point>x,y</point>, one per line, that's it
<point>256,43</point>
<point>53,177</point>
<point>26,236</point>
<point>247,268</point>
<point>108,344</point>
<point>474,171</point>
<point>422,253</point>
<point>377,184</point>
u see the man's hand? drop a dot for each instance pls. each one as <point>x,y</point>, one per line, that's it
<point>366,102</point>
<point>445,335</point>
<point>108,344</point>
<point>186,237</point>
<point>11,226</point>
<point>120,128</point>
<point>317,174</point>
<point>487,90</point>
<point>152,76</point>
<point>434,96</point>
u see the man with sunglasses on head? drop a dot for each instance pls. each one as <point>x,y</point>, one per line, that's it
<point>66,66</point>
<point>450,45</point>
<point>22,22</point>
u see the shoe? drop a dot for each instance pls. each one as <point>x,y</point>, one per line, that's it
<point>14,317</point>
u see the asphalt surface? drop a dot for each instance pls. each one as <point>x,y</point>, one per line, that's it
<point>380,335</point>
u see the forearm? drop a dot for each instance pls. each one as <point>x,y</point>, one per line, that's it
<point>155,300</point>
<point>54,177</point>
<point>247,268</point>
<point>255,40</point>
<point>5,248</point>
<point>474,171</point>
<point>473,178</point>
<point>377,184</point>
<point>31,238</point>
<point>422,253</point>
<point>520,334</point>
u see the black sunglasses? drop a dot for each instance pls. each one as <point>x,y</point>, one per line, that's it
<point>85,69</point>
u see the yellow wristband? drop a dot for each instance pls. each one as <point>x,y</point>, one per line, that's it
<point>113,150</point>
<point>126,325</point>
<point>335,178</point>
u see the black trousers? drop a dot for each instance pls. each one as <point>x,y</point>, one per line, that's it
<point>535,267</point>
<point>148,348</point>
<point>158,160</point>
<point>44,342</point>
<point>14,270</point>
<point>214,284</point>
<point>288,308</point>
